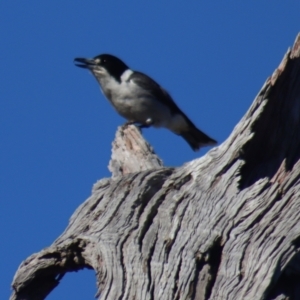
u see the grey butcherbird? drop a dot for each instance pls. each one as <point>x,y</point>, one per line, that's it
<point>139,99</point>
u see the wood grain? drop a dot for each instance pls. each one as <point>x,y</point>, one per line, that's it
<point>224,226</point>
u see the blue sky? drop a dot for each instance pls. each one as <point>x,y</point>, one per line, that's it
<point>56,127</point>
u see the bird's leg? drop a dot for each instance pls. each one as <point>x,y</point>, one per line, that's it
<point>138,124</point>
<point>143,126</point>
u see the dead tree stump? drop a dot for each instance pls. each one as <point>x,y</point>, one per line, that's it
<point>224,226</point>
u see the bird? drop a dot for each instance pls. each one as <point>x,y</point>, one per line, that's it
<point>141,100</point>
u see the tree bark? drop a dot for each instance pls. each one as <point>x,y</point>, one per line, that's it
<point>224,226</point>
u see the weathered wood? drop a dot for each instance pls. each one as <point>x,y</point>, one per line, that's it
<point>224,226</point>
<point>131,153</point>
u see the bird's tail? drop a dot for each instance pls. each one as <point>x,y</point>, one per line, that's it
<point>197,139</point>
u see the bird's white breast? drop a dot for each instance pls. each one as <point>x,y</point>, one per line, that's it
<point>133,102</point>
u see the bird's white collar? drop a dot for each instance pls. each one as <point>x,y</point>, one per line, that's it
<point>125,76</point>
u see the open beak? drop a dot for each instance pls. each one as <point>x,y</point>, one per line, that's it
<point>84,63</point>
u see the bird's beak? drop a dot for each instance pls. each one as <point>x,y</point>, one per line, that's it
<point>84,63</point>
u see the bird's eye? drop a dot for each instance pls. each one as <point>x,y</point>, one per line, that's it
<point>103,61</point>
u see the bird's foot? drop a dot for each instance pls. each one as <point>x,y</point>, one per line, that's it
<point>129,123</point>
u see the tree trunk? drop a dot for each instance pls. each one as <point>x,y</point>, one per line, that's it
<point>224,226</point>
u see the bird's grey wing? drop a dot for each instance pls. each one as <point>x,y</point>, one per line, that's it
<point>195,137</point>
<point>153,88</point>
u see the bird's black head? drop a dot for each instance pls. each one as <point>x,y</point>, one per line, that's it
<point>103,63</point>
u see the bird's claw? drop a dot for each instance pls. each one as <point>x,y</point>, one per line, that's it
<point>129,123</point>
